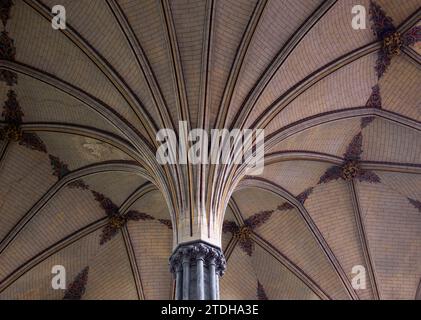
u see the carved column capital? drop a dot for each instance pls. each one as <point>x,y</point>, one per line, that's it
<point>198,259</point>
<point>199,250</point>
<point>175,261</point>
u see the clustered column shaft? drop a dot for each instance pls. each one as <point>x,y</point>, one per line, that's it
<point>197,268</point>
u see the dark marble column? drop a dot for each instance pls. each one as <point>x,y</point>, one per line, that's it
<point>197,268</point>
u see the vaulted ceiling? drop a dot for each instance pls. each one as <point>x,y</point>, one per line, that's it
<point>342,182</point>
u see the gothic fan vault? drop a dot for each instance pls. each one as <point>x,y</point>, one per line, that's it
<point>80,185</point>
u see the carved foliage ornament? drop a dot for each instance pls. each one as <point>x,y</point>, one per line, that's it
<point>116,221</point>
<point>12,114</point>
<point>374,101</point>
<point>33,142</point>
<point>78,184</point>
<point>7,48</point>
<point>77,288</point>
<point>415,203</point>
<point>12,131</point>
<point>258,219</point>
<point>350,170</point>
<point>392,40</point>
<point>351,167</point>
<point>412,36</point>
<point>392,44</point>
<point>106,204</point>
<point>303,196</point>
<point>365,121</point>
<point>382,25</point>
<point>5,7</point>
<point>418,293</point>
<point>243,233</point>
<point>166,222</point>
<point>11,78</point>
<point>261,294</point>
<point>60,169</point>
<point>354,149</point>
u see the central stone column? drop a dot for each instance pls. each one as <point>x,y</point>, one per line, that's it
<point>197,268</point>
